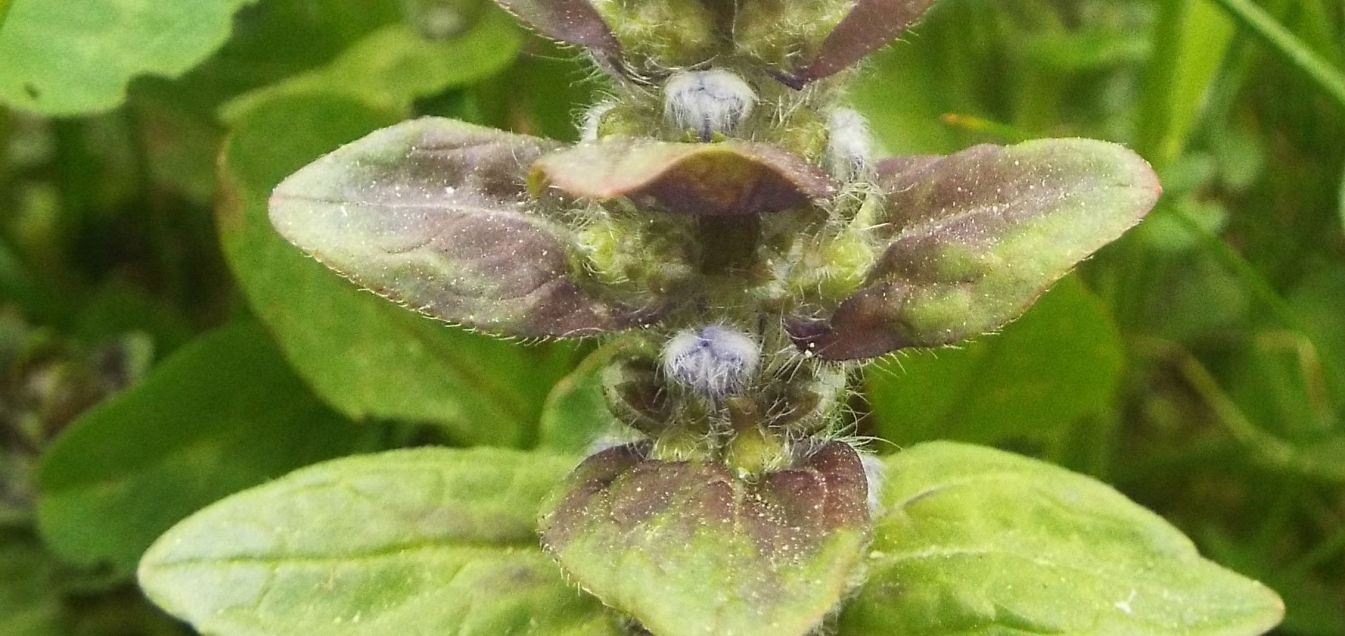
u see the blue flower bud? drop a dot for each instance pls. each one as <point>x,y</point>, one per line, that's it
<point>707,102</point>
<point>714,360</point>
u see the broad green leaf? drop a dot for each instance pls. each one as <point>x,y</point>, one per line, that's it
<point>222,414</point>
<point>432,214</point>
<point>180,144</point>
<point>576,413</point>
<point>71,58</point>
<point>364,355</point>
<point>978,541</point>
<point>1059,362</point>
<point>721,179</point>
<point>271,42</point>
<point>974,238</point>
<point>423,541</point>
<point>29,603</point>
<point>688,548</point>
<point>396,64</point>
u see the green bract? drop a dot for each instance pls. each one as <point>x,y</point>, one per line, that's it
<point>432,214</point>
<point>974,238</point>
<point>688,547</point>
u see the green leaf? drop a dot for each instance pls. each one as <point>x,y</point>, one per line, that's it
<point>396,64</point>
<point>418,541</point>
<point>978,541</point>
<point>1059,362</point>
<point>576,413</point>
<point>720,179</point>
<point>222,414</point>
<point>29,603</point>
<point>272,42</point>
<point>432,214</point>
<point>974,238</point>
<point>364,355</point>
<point>687,548</point>
<point>72,58</point>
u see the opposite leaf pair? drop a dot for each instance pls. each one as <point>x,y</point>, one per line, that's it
<point>439,215</point>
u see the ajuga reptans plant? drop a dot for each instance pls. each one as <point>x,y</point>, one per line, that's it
<point>725,229</point>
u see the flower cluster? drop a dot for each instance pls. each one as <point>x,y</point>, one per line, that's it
<point>724,215</point>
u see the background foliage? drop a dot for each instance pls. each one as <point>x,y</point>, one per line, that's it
<point>160,346</point>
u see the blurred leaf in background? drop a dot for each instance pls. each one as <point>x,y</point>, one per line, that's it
<point>77,58</point>
<point>222,414</point>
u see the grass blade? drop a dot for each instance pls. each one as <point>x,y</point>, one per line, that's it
<point>1254,18</point>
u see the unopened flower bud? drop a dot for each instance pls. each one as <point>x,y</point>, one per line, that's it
<point>714,360</point>
<point>707,102</point>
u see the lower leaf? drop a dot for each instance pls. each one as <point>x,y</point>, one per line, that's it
<point>422,541</point>
<point>978,541</point>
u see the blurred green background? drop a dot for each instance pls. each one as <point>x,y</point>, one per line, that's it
<point>161,348</point>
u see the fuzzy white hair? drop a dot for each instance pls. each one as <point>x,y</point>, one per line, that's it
<point>707,102</point>
<point>849,144</point>
<point>714,360</point>
<point>874,473</point>
<point>588,129</point>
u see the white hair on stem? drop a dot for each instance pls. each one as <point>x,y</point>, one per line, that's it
<point>707,102</point>
<point>849,144</point>
<point>588,129</point>
<point>874,472</point>
<point>713,360</point>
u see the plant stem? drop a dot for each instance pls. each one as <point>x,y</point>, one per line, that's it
<point>1275,452</point>
<point>1330,79</point>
